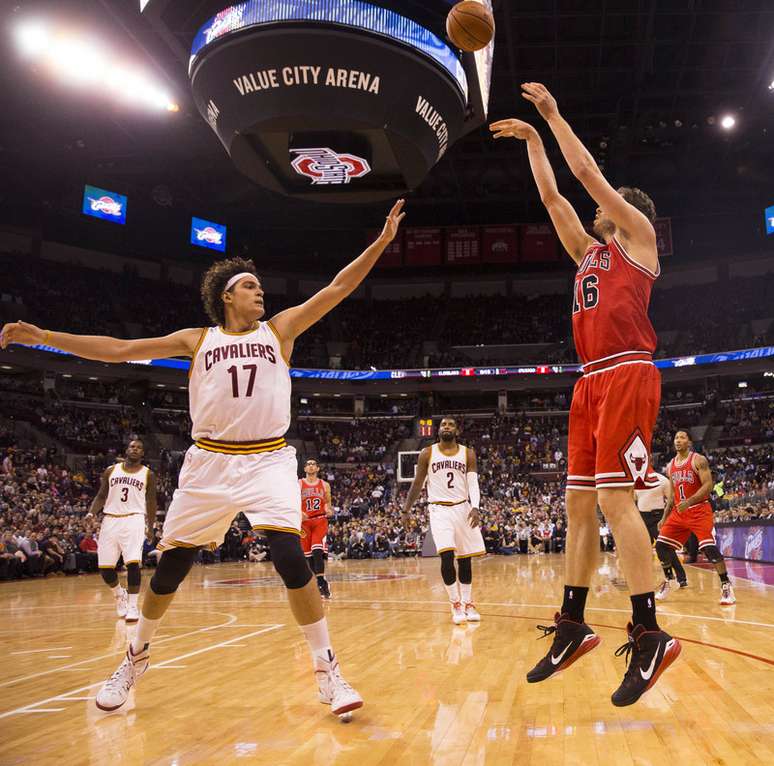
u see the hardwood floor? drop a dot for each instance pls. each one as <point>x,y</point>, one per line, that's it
<point>231,681</point>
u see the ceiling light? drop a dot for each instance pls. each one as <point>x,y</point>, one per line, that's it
<point>32,38</point>
<point>727,122</point>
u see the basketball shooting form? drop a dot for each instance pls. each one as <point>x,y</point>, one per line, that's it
<point>324,100</point>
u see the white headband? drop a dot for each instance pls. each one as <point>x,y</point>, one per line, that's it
<point>231,282</point>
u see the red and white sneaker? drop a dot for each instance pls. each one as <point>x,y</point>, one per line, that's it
<point>115,691</point>
<point>471,613</point>
<point>335,691</point>
<point>458,613</point>
<point>727,596</point>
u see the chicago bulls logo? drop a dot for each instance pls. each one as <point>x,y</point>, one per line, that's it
<point>326,167</point>
<point>635,459</point>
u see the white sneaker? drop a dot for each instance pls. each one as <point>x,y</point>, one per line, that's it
<point>727,596</point>
<point>663,590</point>
<point>458,613</point>
<point>337,693</point>
<point>122,601</point>
<point>115,691</point>
<point>471,613</point>
<point>132,613</point>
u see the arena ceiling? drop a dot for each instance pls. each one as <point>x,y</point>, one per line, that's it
<point>644,82</point>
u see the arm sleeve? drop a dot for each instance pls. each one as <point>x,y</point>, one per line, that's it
<point>473,491</point>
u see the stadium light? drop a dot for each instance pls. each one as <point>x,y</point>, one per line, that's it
<point>727,122</point>
<point>32,37</point>
<point>78,61</point>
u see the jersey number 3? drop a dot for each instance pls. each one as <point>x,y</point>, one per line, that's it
<point>586,295</point>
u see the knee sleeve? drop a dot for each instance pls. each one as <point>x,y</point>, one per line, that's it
<point>447,568</point>
<point>318,562</point>
<point>173,567</point>
<point>712,553</point>
<point>465,570</point>
<point>133,575</point>
<point>289,559</point>
<point>664,552</point>
<point>110,576</point>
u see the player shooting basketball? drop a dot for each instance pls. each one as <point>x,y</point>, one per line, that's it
<point>615,403</point>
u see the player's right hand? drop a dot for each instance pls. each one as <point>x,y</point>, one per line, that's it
<point>20,332</point>
<point>512,128</point>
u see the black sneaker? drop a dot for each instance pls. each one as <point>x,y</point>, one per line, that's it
<point>683,583</point>
<point>652,652</point>
<point>325,589</point>
<point>571,641</point>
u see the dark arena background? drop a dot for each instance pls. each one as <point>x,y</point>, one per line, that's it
<point>142,142</point>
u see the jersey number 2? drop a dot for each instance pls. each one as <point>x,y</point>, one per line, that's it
<point>232,371</point>
<point>586,295</point>
<point>450,477</point>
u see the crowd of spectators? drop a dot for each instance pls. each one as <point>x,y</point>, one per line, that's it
<point>387,333</point>
<point>354,441</point>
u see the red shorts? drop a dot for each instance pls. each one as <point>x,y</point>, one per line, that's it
<point>612,416</point>
<point>314,535</point>
<point>698,519</point>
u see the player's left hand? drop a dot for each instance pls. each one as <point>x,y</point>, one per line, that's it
<point>473,518</point>
<point>392,223</point>
<point>544,102</point>
<point>513,128</point>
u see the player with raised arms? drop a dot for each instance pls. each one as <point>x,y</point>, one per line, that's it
<point>239,395</point>
<point>614,404</point>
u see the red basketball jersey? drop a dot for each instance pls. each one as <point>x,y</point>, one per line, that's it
<point>610,304</point>
<point>686,481</point>
<point>313,502</point>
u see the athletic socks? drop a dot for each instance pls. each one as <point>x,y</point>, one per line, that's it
<point>133,600</point>
<point>466,593</point>
<point>145,631</point>
<point>453,592</point>
<point>574,602</point>
<point>644,611</point>
<point>319,641</point>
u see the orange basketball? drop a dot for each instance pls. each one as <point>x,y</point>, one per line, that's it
<point>470,25</point>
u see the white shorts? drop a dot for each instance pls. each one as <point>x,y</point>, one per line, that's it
<point>214,487</point>
<point>120,536</point>
<point>452,531</point>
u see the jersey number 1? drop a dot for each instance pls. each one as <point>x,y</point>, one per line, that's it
<point>232,371</point>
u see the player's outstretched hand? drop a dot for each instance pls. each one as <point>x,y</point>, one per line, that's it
<point>20,332</point>
<point>512,128</point>
<point>474,519</point>
<point>392,223</point>
<point>538,94</point>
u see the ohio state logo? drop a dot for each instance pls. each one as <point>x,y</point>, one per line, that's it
<point>325,167</point>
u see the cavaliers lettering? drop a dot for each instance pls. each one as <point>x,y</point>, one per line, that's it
<point>126,481</point>
<point>238,351</point>
<point>449,465</point>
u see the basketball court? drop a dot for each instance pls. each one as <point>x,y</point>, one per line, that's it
<point>230,680</point>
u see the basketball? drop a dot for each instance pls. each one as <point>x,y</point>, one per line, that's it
<point>470,25</point>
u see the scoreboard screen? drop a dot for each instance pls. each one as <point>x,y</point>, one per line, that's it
<point>424,428</point>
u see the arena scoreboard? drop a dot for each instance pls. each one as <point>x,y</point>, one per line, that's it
<point>424,428</point>
<point>329,100</point>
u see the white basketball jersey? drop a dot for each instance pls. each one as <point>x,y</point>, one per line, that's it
<point>652,499</point>
<point>239,386</point>
<point>126,493</point>
<point>447,476</point>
